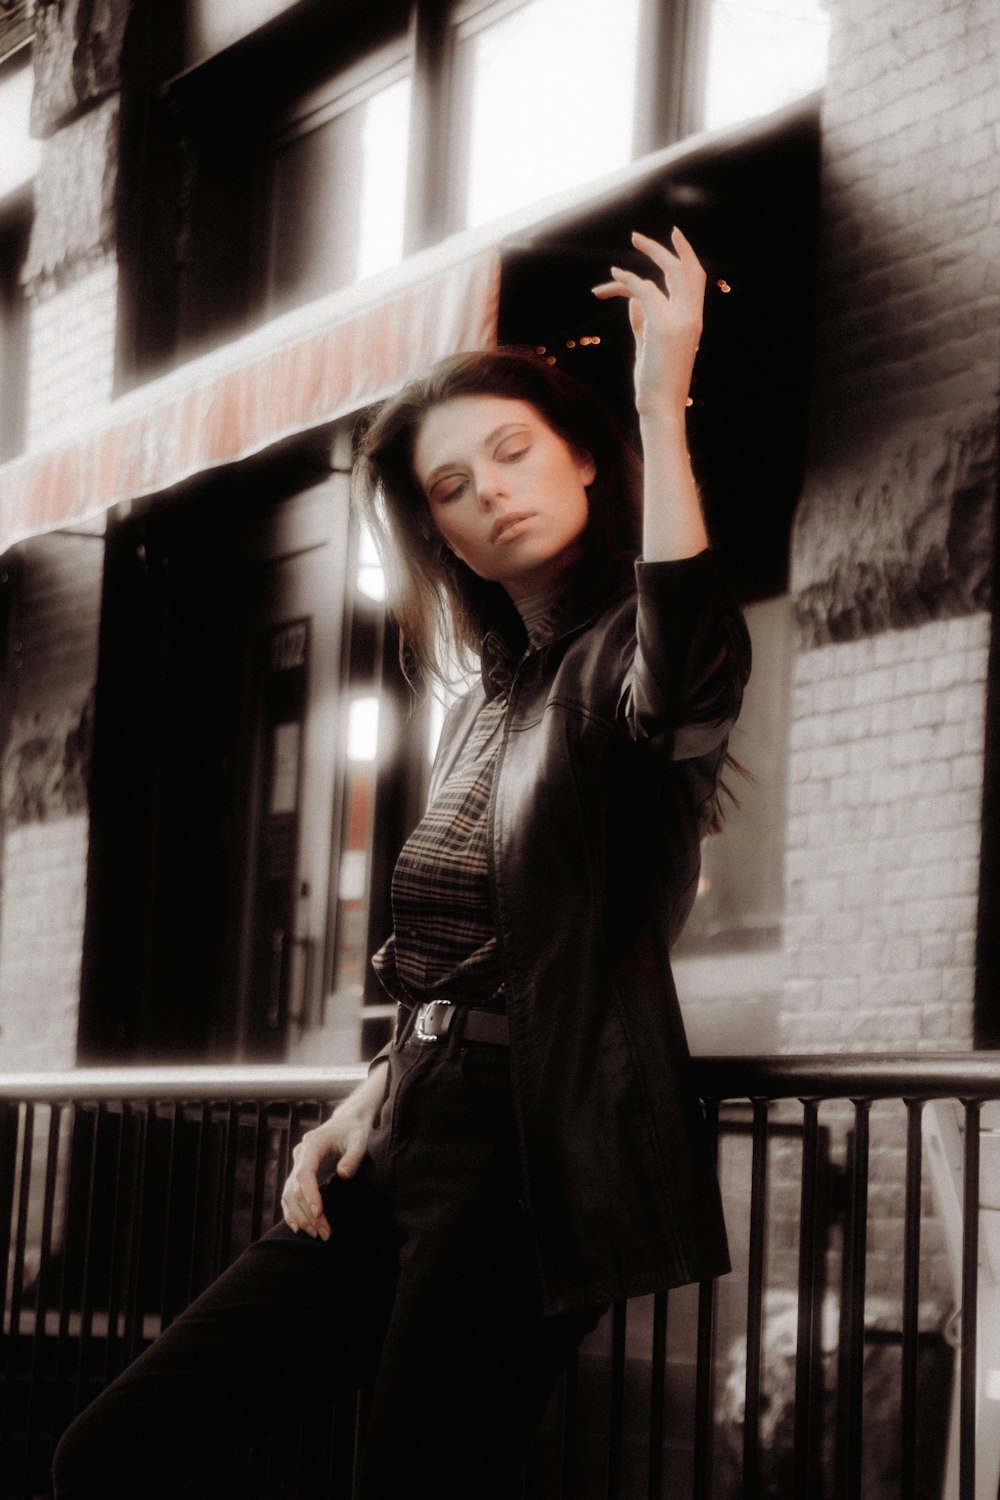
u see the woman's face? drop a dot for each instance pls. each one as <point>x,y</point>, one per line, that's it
<point>506,493</point>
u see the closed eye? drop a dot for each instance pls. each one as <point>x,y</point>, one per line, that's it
<point>448,488</point>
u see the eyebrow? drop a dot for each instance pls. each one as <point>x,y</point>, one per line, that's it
<point>488,441</point>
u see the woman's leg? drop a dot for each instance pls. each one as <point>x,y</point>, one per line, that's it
<point>469,1361</point>
<point>291,1318</point>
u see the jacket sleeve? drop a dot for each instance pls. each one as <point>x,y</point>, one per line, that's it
<point>692,657</point>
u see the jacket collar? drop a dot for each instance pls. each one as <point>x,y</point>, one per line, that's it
<point>587,593</point>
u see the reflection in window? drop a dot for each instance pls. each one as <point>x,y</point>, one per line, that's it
<point>545,99</point>
<point>13,346</point>
<point>371,579</point>
<point>338,190</point>
<point>740,898</point>
<point>763,54</point>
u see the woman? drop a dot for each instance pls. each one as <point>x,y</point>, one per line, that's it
<point>529,1147</point>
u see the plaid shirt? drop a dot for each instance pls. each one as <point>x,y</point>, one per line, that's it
<point>443,945</point>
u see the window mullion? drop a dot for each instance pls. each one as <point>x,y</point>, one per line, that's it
<point>429,164</point>
<point>673,46</point>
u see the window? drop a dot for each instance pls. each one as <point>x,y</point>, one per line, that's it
<point>13,362</point>
<point>338,185</point>
<point>384,780</point>
<point>740,895</point>
<point>762,54</point>
<point>544,99</point>
<point>18,165</point>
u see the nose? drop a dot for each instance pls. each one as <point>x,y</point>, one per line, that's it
<point>491,485</point>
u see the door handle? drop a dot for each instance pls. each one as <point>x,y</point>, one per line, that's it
<point>297,1004</point>
<point>278,941</point>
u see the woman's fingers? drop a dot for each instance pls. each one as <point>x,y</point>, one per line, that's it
<point>301,1201</point>
<point>677,263</point>
<point>353,1154</point>
<point>665,313</point>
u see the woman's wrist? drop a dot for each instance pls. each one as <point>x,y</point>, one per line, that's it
<point>664,422</point>
<point>360,1099</point>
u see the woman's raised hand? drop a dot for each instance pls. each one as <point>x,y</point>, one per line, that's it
<point>337,1146</point>
<point>665,313</point>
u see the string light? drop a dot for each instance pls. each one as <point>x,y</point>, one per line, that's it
<point>585,341</point>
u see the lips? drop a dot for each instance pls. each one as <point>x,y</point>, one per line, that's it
<point>503,527</point>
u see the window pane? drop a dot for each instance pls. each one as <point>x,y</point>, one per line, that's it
<point>382,199</point>
<point>545,100</point>
<point>763,54</point>
<point>338,196</point>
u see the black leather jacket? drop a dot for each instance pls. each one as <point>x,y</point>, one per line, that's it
<point>605,783</point>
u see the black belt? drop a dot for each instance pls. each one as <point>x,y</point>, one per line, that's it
<point>440,1018</point>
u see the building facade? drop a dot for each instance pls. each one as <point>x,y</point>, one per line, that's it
<point>237,226</point>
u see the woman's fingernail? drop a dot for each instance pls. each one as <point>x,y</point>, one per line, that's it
<point>314,1210</point>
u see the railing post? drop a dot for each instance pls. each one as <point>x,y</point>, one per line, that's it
<point>657,1396</point>
<point>911,1302</point>
<point>705,1373</point>
<point>36,1379</point>
<point>850,1377</point>
<point>809,1352</point>
<point>17,1280</point>
<point>970,1304</point>
<point>616,1411</point>
<point>755,1297</point>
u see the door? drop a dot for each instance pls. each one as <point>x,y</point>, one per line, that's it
<point>294,734</point>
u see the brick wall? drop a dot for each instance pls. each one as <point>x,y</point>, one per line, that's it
<point>892,547</point>
<point>883,835</point>
<point>71,362</point>
<point>40,937</point>
<point>891,578</point>
<point>70,278</point>
<point>43,796</point>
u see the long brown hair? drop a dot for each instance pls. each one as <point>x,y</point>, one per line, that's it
<point>436,598</point>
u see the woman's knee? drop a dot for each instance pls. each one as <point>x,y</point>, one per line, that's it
<point>74,1463</point>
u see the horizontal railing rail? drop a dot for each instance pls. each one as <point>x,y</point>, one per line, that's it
<point>866,1277</point>
<point>221,1083</point>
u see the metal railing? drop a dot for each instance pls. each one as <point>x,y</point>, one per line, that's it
<point>122,1193</point>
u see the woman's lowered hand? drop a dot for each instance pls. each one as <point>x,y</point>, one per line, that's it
<point>337,1146</point>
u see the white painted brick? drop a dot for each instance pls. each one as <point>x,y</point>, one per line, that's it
<point>874,687</point>
<point>833,693</point>
<point>808,797</point>
<point>967,772</point>
<point>894,952</point>
<point>870,754</point>
<point>824,764</point>
<point>850,791</point>
<point>840,993</point>
<point>41,932</point>
<point>958,986</point>
<point>72,349</point>
<point>911,746</point>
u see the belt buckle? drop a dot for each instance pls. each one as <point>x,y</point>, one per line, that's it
<point>425,1009</point>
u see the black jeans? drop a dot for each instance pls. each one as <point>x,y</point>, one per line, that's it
<point>427,1282</point>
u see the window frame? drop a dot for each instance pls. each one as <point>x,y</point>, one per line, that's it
<point>668,100</point>
<point>360,81</point>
